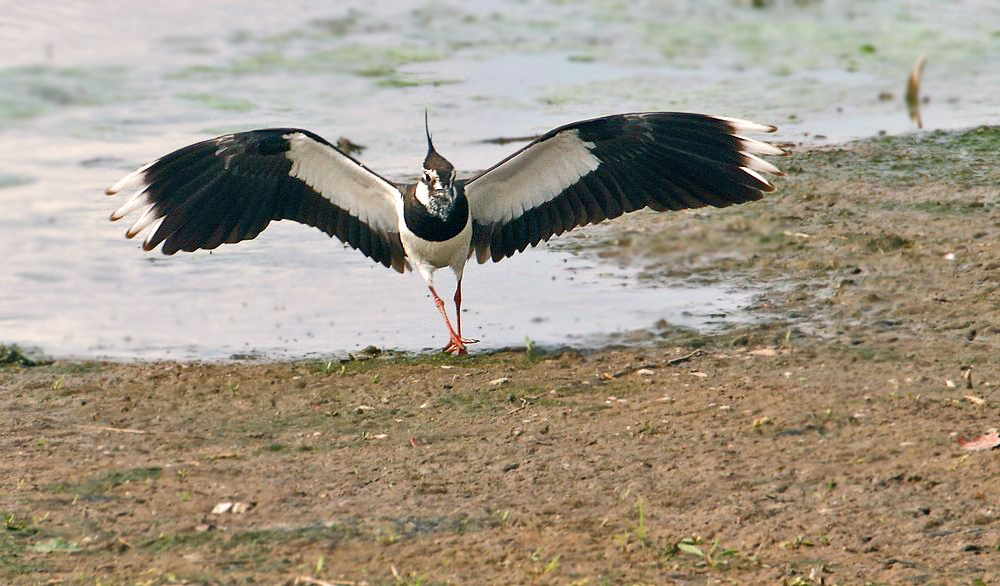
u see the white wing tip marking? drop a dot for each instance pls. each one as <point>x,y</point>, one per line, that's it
<point>753,173</point>
<point>758,164</point>
<point>752,147</point>
<point>758,147</point>
<point>128,180</point>
<point>155,227</point>
<point>738,124</point>
<point>139,200</point>
<point>143,222</point>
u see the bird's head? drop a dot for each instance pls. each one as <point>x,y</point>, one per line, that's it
<point>439,175</point>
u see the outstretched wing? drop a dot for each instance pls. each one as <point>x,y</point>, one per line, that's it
<point>230,188</point>
<point>593,170</point>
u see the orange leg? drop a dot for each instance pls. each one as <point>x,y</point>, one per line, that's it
<point>458,307</point>
<point>456,342</point>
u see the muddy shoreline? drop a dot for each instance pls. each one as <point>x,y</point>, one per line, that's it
<point>814,445</point>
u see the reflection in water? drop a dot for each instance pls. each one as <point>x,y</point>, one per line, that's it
<point>292,294</point>
<point>913,92</point>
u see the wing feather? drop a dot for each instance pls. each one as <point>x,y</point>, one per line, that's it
<point>592,211</point>
<point>598,169</point>
<point>229,189</point>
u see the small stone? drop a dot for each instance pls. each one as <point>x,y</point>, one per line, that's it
<point>240,508</point>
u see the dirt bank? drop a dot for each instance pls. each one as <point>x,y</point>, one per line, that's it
<point>815,446</point>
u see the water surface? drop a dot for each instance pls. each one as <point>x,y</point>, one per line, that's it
<point>89,91</point>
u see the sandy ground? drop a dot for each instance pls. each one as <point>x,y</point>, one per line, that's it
<point>816,445</point>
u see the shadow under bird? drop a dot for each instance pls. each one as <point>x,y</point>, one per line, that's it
<point>230,188</point>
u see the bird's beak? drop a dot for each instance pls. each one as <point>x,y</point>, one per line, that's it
<point>439,189</point>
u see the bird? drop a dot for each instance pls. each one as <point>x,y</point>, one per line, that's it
<point>230,188</point>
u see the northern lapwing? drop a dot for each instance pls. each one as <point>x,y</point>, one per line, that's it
<point>230,188</point>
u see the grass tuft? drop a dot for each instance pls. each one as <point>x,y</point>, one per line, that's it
<point>14,356</point>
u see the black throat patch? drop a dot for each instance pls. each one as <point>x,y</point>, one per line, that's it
<point>435,227</point>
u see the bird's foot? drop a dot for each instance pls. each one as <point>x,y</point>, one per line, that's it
<point>457,345</point>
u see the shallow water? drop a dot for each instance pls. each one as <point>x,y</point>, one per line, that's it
<point>89,91</point>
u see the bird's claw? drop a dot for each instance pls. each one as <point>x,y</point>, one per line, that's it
<point>457,345</point>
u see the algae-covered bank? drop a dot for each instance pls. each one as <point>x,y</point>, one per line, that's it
<point>814,442</point>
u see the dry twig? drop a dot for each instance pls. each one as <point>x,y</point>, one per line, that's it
<point>317,582</point>
<point>685,358</point>
<point>113,429</point>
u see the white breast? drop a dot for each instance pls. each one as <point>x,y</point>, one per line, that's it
<point>429,256</point>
